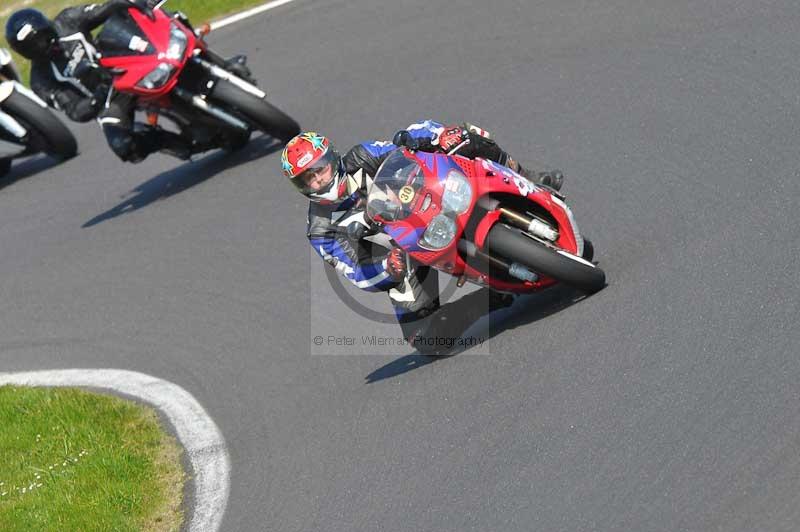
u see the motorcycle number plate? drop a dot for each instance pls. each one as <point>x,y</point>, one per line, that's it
<point>406,194</point>
<point>138,44</point>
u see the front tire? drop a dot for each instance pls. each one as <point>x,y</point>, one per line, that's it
<point>260,112</point>
<point>558,264</point>
<point>48,133</point>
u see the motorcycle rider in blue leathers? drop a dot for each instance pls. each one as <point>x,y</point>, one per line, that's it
<point>337,187</point>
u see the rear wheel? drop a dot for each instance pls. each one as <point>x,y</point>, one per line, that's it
<point>48,133</point>
<point>258,111</point>
<point>550,261</point>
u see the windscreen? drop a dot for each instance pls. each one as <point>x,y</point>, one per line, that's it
<point>397,183</point>
<point>121,36</point>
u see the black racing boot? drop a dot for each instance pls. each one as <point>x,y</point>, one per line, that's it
<point>588,249</point>
<point>171,144</point>
<point>552,178</point>
<point>146,140</point>
<point>499,300</point>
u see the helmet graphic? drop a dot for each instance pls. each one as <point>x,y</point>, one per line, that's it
<point>314,167</point>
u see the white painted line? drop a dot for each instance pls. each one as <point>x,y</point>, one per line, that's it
<point>247,14</point>
<point>197,432</point>
<point>576,258</point>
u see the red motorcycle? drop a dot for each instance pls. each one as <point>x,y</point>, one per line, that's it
<point>162,60</point>
<point>480,222</point>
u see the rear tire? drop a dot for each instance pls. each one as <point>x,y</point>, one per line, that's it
<point>560,265</point>
<point>260,112</point>
<point>49,134</point>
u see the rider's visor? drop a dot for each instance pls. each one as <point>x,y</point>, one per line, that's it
<point>319,176</point>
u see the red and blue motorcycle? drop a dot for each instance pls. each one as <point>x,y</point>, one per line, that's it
<point>480,222</point>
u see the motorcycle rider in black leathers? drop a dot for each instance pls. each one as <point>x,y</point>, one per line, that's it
<point>337,187</point>
<point>65,76</point>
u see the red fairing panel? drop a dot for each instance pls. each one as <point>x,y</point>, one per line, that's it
<point>136,67</point>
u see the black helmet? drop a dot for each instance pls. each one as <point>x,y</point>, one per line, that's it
<point>30,33</point>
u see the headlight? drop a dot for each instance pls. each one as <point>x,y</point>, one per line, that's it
<point>177,44</point>
<point>158,77</point>
<point>457,196</point>
<point>440,233</point>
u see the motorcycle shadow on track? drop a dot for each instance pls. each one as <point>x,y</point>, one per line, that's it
<point>27,168</point>
<point>460,313</point>
<point>186,176</point>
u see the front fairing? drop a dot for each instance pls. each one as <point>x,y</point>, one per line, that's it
<point>416,196</point>
<point>133,46</point>
<point>406,197</point>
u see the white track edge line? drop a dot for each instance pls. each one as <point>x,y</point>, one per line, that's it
<point>201,438</point>
<point>247,14</point>
<point>205,446</point>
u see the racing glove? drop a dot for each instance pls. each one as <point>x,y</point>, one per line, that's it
<point>396,263</point>
<point>143,6</point>
<point>451,137</point>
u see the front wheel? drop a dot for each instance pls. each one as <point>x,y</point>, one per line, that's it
<point>552,262</point>
<point>48,133</point>
<point>260,112</point>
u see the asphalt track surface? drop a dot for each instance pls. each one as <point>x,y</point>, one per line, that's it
<point>668,401</point>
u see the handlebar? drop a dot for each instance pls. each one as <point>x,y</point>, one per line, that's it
<point>404,139</point>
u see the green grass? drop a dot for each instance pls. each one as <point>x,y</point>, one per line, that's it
<point>74,460</point>
<point>199,11</point>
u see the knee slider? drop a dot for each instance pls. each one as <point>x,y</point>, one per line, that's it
<point>124,147</point>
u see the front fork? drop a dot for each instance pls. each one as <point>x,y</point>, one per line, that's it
<point>201,101</point>
<point>213,68</point>
<point>529,224</point>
